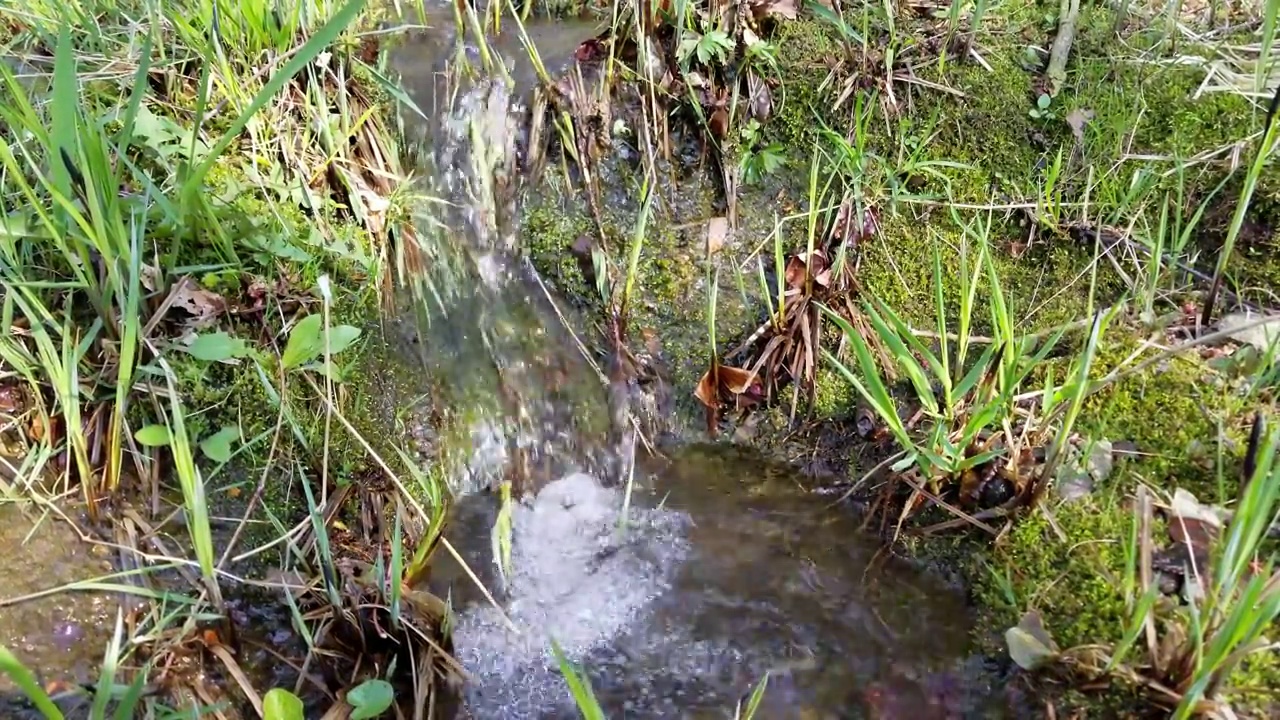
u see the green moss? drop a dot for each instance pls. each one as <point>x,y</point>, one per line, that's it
<point>804,49</point>
<point>987,128</point>
<point>1073,579</point>
<point>1172,412</point>
<point>550,227</point>
<point>833,395</point>
<point>1076,583</point>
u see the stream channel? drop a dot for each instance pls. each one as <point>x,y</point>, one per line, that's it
<point>719,568</point>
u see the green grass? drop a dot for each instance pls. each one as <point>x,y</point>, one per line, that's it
<point>244,148</point>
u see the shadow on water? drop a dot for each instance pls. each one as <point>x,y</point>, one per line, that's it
<point>729,569</point>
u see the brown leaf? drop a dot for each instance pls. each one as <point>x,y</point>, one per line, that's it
<point>1076,120</point>
<point>971,482</point>
<point>204,306</point>
<point>13,400</point>
<point>849,228</point>
<point>707,392</point>
<point>1194,526</point>
<point>592,50</point>
<point>799,267</point>
<point>759,97</point>
<point>719,123</point>
<point>786,9</point>
<point>734,380</point>
<point>717,234</point>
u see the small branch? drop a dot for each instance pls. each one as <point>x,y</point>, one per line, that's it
<point>1068,14</point>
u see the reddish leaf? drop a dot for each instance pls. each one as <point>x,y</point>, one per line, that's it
<point>590,51</point>
<point>732,382</point>
<point>735,380</point>
<point>707,392</point>
<point>12,400</point>
<point>800,267</point>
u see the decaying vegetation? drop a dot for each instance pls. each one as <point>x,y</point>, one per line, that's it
<point>1020,256</point>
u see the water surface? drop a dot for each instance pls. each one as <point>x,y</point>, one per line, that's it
<point>728,569</point>
<point>60,636</point>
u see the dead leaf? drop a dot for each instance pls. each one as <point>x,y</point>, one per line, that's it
<point>706,391</point>
<point>848,228</point>
<point>375,207</point>
<point>786,9</point>
<point>735,380</point>
<point>149,276</point>
<point>732,382</point>
<point>1076,120</point>
<point>1194,526</point>
<point>1262,336</point>
<point>12,400</point>
<point>864,423</point>
<point>204,306</point>
<point>759,97</point>
<point>592,50</point>
<point>800,267</point>
<point>717,234</point>
<point>1030,645</point>
<point>719,123</point>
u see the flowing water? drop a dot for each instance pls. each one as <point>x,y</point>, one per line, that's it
<point>716,570</point>
<point>728,569</point>
<point>537,409</point>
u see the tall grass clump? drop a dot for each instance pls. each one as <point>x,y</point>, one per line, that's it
<point>967,403</point>
<point>243,138</point>
<point>1232,598</point>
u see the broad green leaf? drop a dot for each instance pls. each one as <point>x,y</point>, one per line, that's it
<point>280,704</point>
<point>370,699</point>
<point>153,435</point>
<point>306,341</point>
<point>217,447</point>
<point>341,337</point>
<point>216,347</point>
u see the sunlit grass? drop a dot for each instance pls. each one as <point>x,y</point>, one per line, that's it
<point>109,191</point>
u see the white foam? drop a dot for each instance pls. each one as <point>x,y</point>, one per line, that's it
<point>577,579</point>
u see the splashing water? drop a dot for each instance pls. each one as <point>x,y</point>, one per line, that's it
<point>494,338</point>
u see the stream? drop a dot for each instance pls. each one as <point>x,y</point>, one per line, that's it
<point>678,584</point>
<point>716,569</point>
